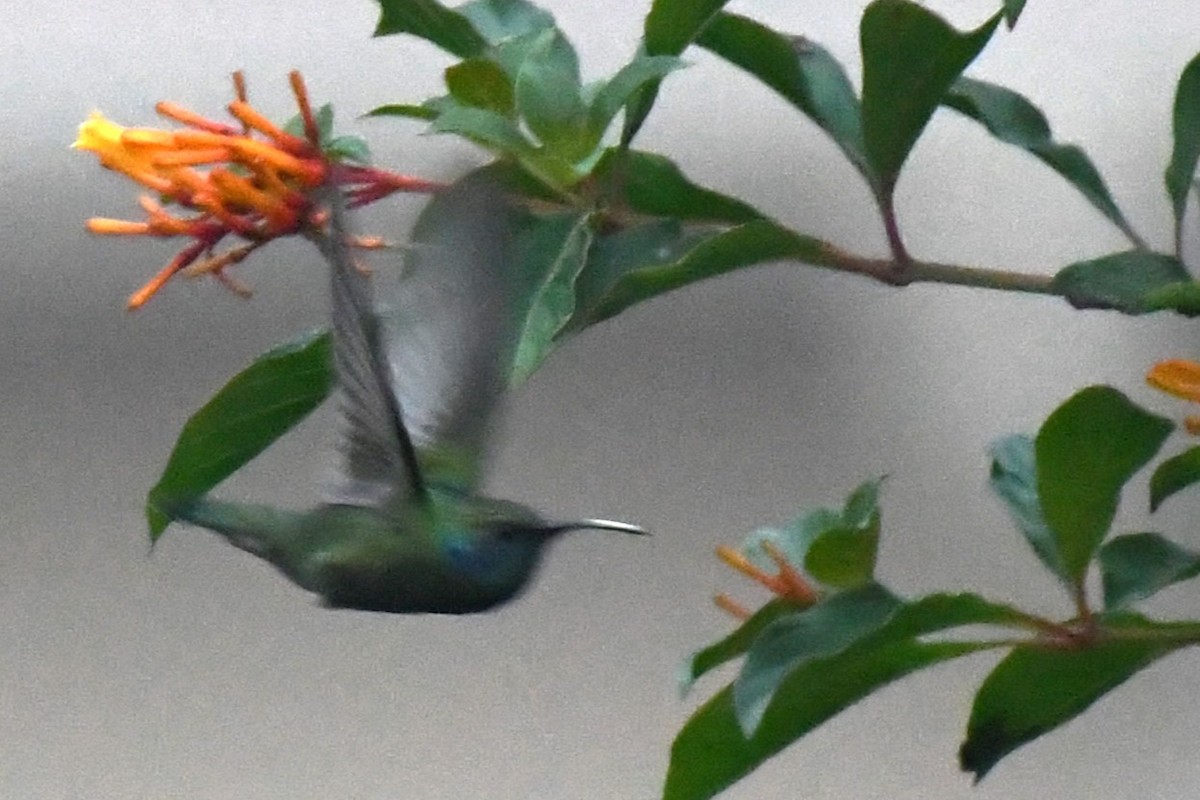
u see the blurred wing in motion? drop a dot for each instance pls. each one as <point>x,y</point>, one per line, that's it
<point>379,461</point>
<point>420,380</point>
<point>449,327</point>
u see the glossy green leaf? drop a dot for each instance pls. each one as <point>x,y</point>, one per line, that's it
<point>1173,475</point>
<point>554,251</point>
<point>843,555</point>
<point>911,57</point>
<point>1138,565</point>
<point>348,148</point>
<point>1011,118</point>
<point>1014,480</point>
<point>752,243</point>
<point>501,20</point>
<point>651,184</point>
<point>423,111</point>
<point>1086,451</point>
<point>732,646</point>
<point>1186,150</point>
<point>260,404</point>
<point>613,254</point>
<point>793,640</point>
<point>670,27</point>
<point>1182,297</point>
<point>610,97</point>
<point>711,753</point>
<point>432,22</point>
<point>1012,12</point>
<point>1121,281</point>
<point>549,95</point>
<point>486,128</point>
<point>481,83</point>
<point>504,138</point>
<point>792,540</point>
<point>801,71</point>
<point>1034,690</point>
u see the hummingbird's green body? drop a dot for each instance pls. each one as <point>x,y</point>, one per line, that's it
<point>451,555</point>
<point>403,530</point>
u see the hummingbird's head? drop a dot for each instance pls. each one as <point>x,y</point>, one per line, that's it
<point>505,542</point>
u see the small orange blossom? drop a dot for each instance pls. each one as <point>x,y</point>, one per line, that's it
<point>788,583</point>
<point>257,189</point>
<point>1181,378</point>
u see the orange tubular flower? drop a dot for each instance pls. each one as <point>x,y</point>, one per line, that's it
<point>258,189</point>
<point>1181,378</point>
<point>787,584</point>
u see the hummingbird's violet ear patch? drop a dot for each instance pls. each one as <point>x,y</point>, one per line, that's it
<point>254,181</point>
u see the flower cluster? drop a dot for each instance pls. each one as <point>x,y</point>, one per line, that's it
<point>254,181</point>
<point>787,584</point>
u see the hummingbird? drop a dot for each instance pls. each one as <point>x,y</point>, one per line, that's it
<point>403,528</point>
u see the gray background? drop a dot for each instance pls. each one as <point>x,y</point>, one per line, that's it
<point>199,673</point>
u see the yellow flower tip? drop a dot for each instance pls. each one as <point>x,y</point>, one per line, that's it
<point>1179,377</point>
<point>1192,425</point>
<point>97,133</point>
<point>735,559</point>
<point>732,607</point>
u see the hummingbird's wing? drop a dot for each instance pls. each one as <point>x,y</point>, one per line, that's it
<point>419,382</point>
<point>449,327</point>
<point>380,463</point>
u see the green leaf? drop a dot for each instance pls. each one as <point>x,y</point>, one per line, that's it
<point>486,128</point>
<point>843,555</point>
<point>504,138</point>
<point>554,251</point>
<point>549,96</point>
<point>1186,151</point>
<point>1012,119</point>
<point>751,243</point>
<point>260,404</point>
<point>614,93</point>
<point>1032,691</point>
<point>910,58</point>
<point>801,71</point>
<point>1014,480</point>
<point>670,27</point>
<point>1012,11</point>
<point>1121,281</point>
<point>501,20</point>
<point>1182,297</point>
<point>403,110</point>
<point>1173,475</point>
<point>481,83</point>
<point>732,646</point>
<point>432,22</point>
<point>1138,565</point>
<point>651,184</point>
<point>1086,451</point>
<point>793,640</point>
<point>710,753</point>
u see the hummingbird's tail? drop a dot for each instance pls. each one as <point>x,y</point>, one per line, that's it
<point>261,530</point>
